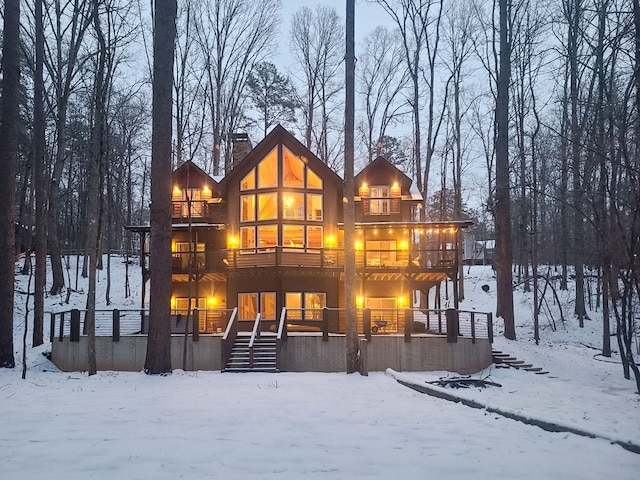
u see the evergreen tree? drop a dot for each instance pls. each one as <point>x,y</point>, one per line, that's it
<point>272,95</point>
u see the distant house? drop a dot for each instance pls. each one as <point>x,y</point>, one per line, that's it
<point>262,251</point>
<point>477,252</point>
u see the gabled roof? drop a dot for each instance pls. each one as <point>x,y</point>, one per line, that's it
<point>280,135</point>
<point>382,172</point>
<point>189,175</point>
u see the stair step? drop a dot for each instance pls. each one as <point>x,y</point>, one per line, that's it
<point>523,365</point>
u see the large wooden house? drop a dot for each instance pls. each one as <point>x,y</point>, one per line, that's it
<point>270,235</point>
<point>261,251</point>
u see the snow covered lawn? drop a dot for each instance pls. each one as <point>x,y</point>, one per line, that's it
<point>195,425</point>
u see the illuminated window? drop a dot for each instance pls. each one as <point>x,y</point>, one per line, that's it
<point>181,200</point>
<point>293,302</point>
<point>267,236</point>
<point>292,170</point>
<point>181,255</point>
<point>314,237</point>
<point>293,236</point>
<point>247,306</point>
<point>313,180</point>
<point>305,306</point>
<point>313,304</point>
<point>314,206</point>
<point>384,314</point>
<point>381,253</point>
<point>267,206</point>
<point>249,181</point>
<point>293,206</point>
<point>247,237</point>
<point>268,305</point>
<point>247,208</point>
<point>268,170</point>
<point>380,200</point>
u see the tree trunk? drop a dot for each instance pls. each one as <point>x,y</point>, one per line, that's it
<point>158,358</point>
<point>349,207</point>
<point>503,202</point>
<point>40,182</point>
<point>10,120</point>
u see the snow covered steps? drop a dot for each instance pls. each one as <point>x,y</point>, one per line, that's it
<point>504,360</point>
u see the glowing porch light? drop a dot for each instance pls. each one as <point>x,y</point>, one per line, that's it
<point>402,301</point>
<point>233,241</point>
<point>173,302</point>
<point>358,245</point>
<point>330,241</point>
<point>173,246</point>
<point>176,190</point>
<point>404,245</point>
<point>360,301</point>
<point>395,185</point>
<point>211,301</point>
<point>206,189</point>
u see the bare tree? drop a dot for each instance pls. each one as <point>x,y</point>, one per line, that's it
<point>40,179</point>
<point>503,200</point>
<point>317,45</point>
<point>68,22</point>
<point>10,120</point>
<point>158,358</point>
<point>349,207</point>
<point>382,82</point>
<point>232,35</point>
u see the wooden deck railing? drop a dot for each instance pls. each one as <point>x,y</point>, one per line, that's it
<point>408,322</point>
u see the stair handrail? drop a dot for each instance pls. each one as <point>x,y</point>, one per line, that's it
<point>282,323</point>
<point>230,324</point>
<point>254,334</point>
<point>228,338</point>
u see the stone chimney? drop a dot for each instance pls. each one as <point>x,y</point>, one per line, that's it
<point>241,147</point>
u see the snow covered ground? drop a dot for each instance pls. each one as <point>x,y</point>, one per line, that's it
<point>196,425</point>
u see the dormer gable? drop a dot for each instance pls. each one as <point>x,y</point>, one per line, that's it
<point>381,187</point>
<point>192,185</point>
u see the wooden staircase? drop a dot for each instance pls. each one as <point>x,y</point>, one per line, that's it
<point>262,357</point>
<point>504,360</point>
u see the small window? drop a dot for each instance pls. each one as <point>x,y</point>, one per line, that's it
<point>247,238</point>
<point>292,170</point>
<point>247,208</point>
<point>314,207</point>
<point>249,181</point>
<point>313,180</point>
<point>314,237</point>
<point>293,302</point>
<point>268,305</point>
<point>267,236</point>
<point>293,236</point>
<point>293,206</point>
<point>268,170</point>
<point>379,200</point>
<point>247,306</point>
<point>267,206</point>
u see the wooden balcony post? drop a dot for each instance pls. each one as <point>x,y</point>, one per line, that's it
<point>61,334</point>
<point>408,324</point>
<point>490,326</point>
<point>196,325</point>
<point>74,332</point>
<point>473,327</point>
<point>116,325</point>
<point>453,325</point>
<point>52,326</point>
<point>325,324</point>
